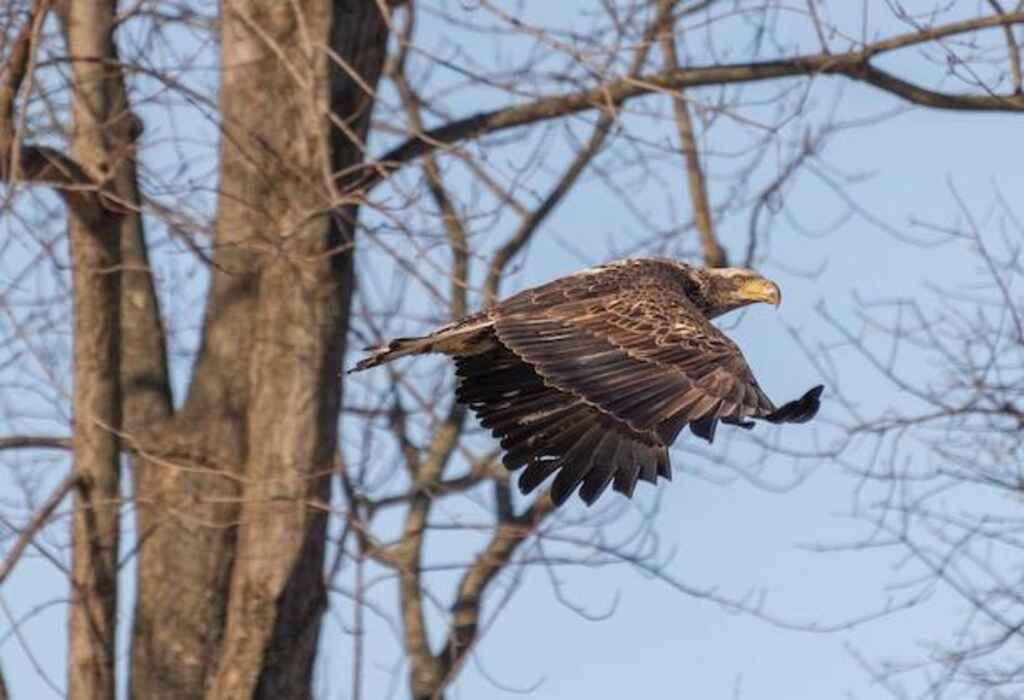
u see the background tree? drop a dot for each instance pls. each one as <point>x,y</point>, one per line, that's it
<point>345,173</point>
<point>939,471</point>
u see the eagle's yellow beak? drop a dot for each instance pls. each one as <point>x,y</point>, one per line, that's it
<point>760,289</point>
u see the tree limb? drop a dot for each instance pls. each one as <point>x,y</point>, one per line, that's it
<point>854,65</point>
<point>40,164</point>
<point>45,442</point>
<point>96,402</point>
<point>454,229</point>
<point>1013,50</point>
<point>37,523</point>
<point>524,232</point>
<point>495,557</point>
<point>17,68</point>
<point>713,253</point>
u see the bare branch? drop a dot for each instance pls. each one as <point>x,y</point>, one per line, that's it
<point>37,523</point>
<point>1012,48</point>
<point>494,558</point>
<point>932,98</point>
<point>425,674</point>
<point>46,442</point>
<point>524,232</point>
<point>453,227</point>
<point>40,164</point>
<point>714,253</point>
<point>819,29</point>
<point>16,69</point>
<point>854,65</point>
<point>771,192</point>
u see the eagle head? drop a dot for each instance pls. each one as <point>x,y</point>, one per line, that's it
<point>723,289</point>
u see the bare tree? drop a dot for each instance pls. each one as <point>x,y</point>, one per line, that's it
<point>335,177</point>
<point>939,471</point>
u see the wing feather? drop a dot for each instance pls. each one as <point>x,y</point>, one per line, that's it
<point>627,469</point>
<point>575,463</point>
<point>602,471</point>
<point>550,431</point>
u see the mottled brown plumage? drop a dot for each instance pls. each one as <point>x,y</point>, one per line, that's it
<point>594,375</point>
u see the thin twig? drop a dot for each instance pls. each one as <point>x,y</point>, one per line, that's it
<point>854,65</point>
<point>453,226</point>
<point>37,523</point>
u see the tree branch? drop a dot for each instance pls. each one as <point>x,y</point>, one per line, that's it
<point>37,523</point>
<point>17,68</point>
<point>425,673</point>
<point>1013,50</point>
<point>40,164</point>
<point>522,235</point>
<point>482,469</point>
<point>524,232</point>
<point>854,65</point>
<point>96,403</point>
<point>26,442</point>
<point>454,229</point>
<point>495,557</point>
<point>930,98</point>
<point>714,254</point>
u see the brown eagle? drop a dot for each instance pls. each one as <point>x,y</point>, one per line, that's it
<point>594,375</point>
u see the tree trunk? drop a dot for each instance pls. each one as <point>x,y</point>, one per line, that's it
<point>96,259</point>
<point>189,494</point>
<point>305,289</point>
<point>255,442</point>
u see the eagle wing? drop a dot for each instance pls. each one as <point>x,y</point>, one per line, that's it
<point>548,430</point>
<point>626,340</point>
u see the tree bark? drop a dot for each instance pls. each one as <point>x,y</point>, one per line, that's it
<point>189,490</point>
<point>309,119</point>
<point>96,259</point>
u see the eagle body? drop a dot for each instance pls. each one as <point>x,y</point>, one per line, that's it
<point>593,376</point>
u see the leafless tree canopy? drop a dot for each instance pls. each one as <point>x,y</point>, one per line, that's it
<point>201,208</point>
<point>939,472</point>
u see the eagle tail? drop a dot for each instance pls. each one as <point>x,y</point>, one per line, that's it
<point>399,347</point>
<point>466,336</point>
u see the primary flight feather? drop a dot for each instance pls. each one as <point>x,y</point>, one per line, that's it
<point>592,376</point>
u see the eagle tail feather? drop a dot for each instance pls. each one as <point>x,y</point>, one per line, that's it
<point>399,347</point>
<point>467,336</point>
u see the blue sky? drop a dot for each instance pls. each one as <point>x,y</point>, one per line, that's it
<point>718,526</point>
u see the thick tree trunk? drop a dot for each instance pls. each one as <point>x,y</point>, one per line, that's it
<point>305,288</point>
<point>254,444</point>
<point>190,493</point>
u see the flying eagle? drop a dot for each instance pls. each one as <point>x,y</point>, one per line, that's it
<point>594,375</point>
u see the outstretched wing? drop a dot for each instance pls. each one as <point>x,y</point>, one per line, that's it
<point>626,340</point>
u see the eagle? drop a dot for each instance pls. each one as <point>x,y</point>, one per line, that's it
<point>593,376</point>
